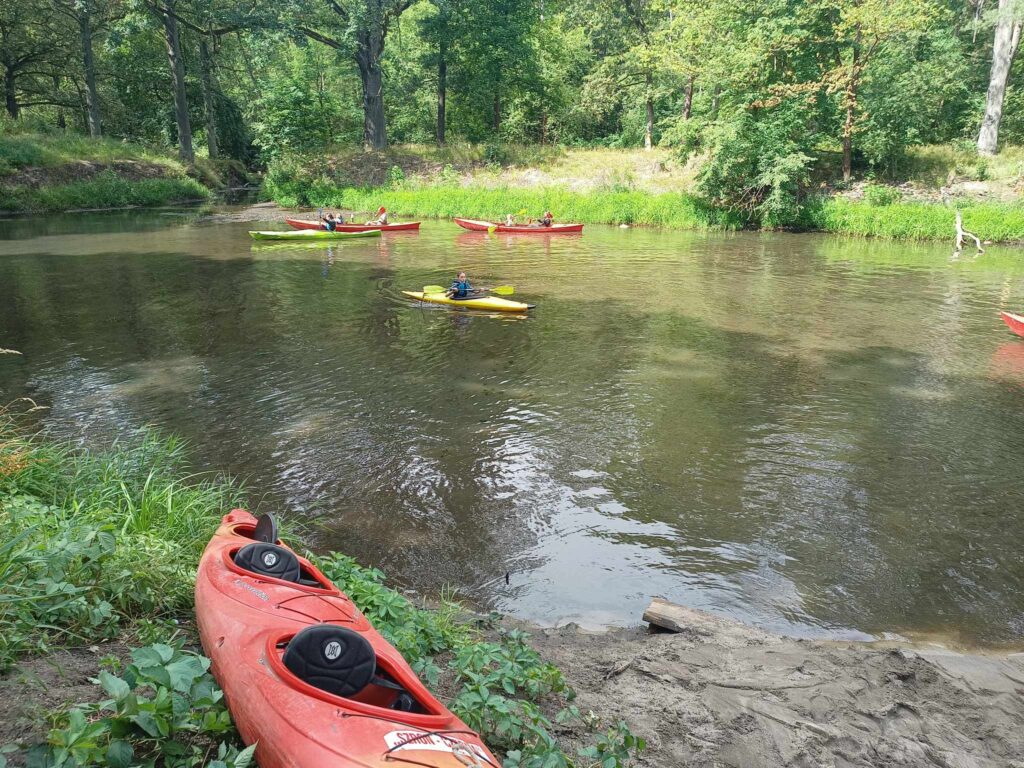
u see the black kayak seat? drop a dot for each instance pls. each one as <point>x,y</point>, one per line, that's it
<point>333,659</point>
<point>269,560</point>
<point>266,529</point>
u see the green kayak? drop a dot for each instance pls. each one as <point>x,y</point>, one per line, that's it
<point>311,234</point>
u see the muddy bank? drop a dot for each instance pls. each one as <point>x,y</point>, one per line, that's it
<point>724,694</point>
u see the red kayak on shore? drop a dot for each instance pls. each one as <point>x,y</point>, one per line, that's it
<point>1015,322</point>
<point>485,226</point>
<point>304,674</point>
<point>303,224</point>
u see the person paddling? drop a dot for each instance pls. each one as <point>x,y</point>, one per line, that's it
<point>461,287</point>
<point>382,216</point>
<point>330,223</point>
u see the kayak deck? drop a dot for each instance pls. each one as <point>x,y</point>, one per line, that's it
<point>488,303</point>
<point>1014,322</point>
<point>475,225</point>
<point>310,234</point>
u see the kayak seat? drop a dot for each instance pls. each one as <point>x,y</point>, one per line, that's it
<point>266,529</point>
<point>269,560</point>
<point>333,659</point>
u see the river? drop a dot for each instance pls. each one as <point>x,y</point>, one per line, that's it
<point>814,435</point>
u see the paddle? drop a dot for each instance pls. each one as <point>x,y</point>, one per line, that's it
<point>501,290</point>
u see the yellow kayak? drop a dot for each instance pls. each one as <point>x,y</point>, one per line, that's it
<point>487,303</point>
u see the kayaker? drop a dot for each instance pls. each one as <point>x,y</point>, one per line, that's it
<point>509,220</point>
<point>382,216</point>
<point>460,287</point>
<point>546,221</point>
<point>330,223</point>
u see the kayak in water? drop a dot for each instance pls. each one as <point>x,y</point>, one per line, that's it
<point>1014,322</point>
<point>305,675</point>
<point>309,234</point>
<point>487,226</point>
<point>318,226</point>
<point>488,303</point>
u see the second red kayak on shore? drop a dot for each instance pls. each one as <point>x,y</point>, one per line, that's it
<point>405,227</point>
<point>486,226</point>
<point>305,675</point>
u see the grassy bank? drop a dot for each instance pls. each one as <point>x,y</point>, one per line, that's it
<point>603,186</point>
<point>46,173</point>
<point>103,545</point>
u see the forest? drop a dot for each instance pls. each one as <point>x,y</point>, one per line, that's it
<point>778,97</point>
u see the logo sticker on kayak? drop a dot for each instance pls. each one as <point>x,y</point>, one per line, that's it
<point>270,559</point>
<point>332,650</point>
<point>431,742</point>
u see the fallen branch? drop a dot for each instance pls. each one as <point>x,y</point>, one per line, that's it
<point>961,233</point>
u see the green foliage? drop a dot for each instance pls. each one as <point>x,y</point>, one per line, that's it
<point>107,190</point>
<point>881,195</point>
<point>998,222</point>
<point>96,541</point>
<point>164,709</point>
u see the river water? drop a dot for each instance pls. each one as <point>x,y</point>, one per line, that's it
<point>811,434</point>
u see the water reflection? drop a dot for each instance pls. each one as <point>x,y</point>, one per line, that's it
<point>813,434</point>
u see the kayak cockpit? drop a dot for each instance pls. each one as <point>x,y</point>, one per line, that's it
<point>273,561</point>
<point>338,664</point>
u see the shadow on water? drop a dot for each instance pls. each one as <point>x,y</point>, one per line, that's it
<point>816,435</point>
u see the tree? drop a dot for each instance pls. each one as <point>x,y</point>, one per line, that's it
<point>1004,49</point>
<point>32,50</point>
<point>364,33</point>
<point>90,17</point>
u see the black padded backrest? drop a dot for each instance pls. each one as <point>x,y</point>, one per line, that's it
<point>333,659</point>
<point>269,560</point>
<point>266,529</point>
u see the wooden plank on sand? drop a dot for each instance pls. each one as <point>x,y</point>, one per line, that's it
<point>670,616</point>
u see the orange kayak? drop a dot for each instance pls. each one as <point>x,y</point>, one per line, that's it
<point>303,224</point>
<point>303,672</point>
<point>485,226</point>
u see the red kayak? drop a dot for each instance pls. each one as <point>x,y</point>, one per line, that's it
<point>1016,322</point>
<point>485,226</point>
<point>304,673</point>
<point>302,224</point>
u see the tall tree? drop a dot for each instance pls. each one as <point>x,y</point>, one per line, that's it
<point>364,31</point>
<point>1004,49</point>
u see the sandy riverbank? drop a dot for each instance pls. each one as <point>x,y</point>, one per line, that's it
<point>724,694</point>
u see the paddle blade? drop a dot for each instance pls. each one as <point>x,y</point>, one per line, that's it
<point>433,289</point>
<point>503,290</point>
<point>490,229</point>
<point>522,212</point>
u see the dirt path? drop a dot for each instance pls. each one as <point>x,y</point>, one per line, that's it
<point>724,694</point>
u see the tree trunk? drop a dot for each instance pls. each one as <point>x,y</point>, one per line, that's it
<point>185,151</point>
<point>688,102</point>
<point>62,121</point>
<point>442,93</point>
<point>92,101</point>
<point>851,110</point>
<point>207,81</point>
<point>11,94</point>
<point>375,134</point>
<point>497,112</point>
<point>649,105</point>
<point>1004,49</point>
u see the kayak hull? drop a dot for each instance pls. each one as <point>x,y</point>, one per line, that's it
<point>308,235</point>
<point>485,226</point>
<point>243,620</point>
<point>486,303</point>
<point>1014,322</point>
<point>315,225</point>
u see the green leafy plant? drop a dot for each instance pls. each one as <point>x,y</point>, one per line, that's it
<point>164,709</point>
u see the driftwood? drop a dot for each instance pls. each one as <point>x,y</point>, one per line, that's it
<point>670,616</point>
<point>962,233</point>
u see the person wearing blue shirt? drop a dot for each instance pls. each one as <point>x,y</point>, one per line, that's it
<point>460,287</point>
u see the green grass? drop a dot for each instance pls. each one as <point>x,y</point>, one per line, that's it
<point>107,190</point>
<point>998,222</point>
<point>37,150</point>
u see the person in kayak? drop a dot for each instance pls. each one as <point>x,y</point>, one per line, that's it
<point>461,288</point>
<point>382,216</point>
<point>545,221</point>
<point>330,223</point>
<point>510,220</point>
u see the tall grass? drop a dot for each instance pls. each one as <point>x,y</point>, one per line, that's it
<point>107,190</point>
<point>22,150</point>
<point>998,222</point>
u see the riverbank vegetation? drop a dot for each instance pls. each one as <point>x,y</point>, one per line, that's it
<point>103,546</point>
<point>768,106</point>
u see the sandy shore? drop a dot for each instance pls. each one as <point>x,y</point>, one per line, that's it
<point>724,694</point>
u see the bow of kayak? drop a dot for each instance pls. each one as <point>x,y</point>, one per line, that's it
<point>486,303</point>
<point>310,234</point>
<point>1014,322</point>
